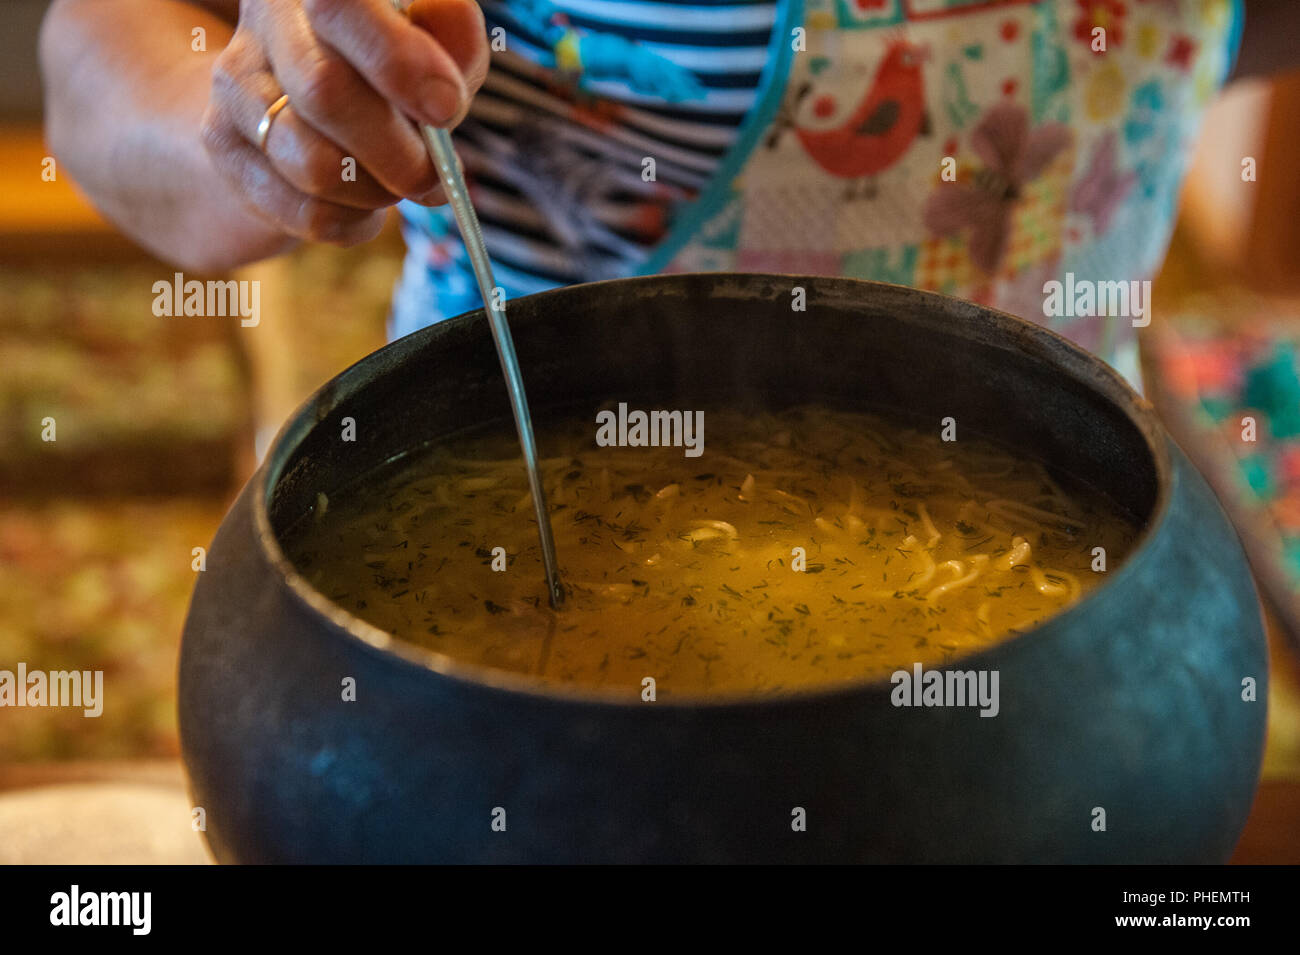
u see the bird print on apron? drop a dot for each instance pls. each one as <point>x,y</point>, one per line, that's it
<point>980,149</point>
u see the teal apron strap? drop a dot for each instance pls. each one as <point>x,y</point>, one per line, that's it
<point>771,89</point>
<point>1234,37</point>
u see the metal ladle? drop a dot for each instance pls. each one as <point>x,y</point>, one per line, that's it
<point>452,175</point>
<point>453,181</point>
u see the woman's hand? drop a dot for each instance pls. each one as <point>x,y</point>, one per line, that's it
<point>357,73</point>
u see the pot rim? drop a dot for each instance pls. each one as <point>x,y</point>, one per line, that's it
<point>1011,333</point>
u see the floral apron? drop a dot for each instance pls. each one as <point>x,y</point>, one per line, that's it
<point>1070,123</point>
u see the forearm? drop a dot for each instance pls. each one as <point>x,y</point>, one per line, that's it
<point>125,96</point>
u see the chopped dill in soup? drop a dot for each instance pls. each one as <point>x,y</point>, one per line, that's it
<point>802,548</point>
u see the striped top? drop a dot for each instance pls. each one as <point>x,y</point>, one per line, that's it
<point>597,119</point>
<point>985,149</point>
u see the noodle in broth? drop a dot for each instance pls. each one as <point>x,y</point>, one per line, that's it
<point>802,548</point>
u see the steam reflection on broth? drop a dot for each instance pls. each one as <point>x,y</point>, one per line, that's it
<point>685,569</point>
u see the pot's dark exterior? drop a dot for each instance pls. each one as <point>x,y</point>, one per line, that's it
<point>1130,703</point>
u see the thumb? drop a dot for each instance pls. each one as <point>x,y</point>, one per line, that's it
<point>459,27</point>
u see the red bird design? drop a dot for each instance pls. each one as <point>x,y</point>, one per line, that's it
<point>882,127</point>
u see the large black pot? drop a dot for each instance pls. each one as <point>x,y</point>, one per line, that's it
<point>1130,702</point>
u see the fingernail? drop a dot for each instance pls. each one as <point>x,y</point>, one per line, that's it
<point>440,100</point>
<point>337,232</point>
<point>434,197</point>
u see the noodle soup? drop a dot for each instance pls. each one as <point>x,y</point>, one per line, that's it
<point>802,548</point>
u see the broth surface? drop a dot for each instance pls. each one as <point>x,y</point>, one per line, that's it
<point>683,568</point>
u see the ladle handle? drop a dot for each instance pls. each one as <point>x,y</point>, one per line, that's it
<point>450,172</point>
<point>445,160</point>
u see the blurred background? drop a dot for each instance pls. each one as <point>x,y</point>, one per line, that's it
<point>160,421</point>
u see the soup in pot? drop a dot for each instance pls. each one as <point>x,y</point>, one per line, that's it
<point>800,548</point>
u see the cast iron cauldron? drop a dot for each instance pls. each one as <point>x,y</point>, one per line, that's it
<point>1131,701</point>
